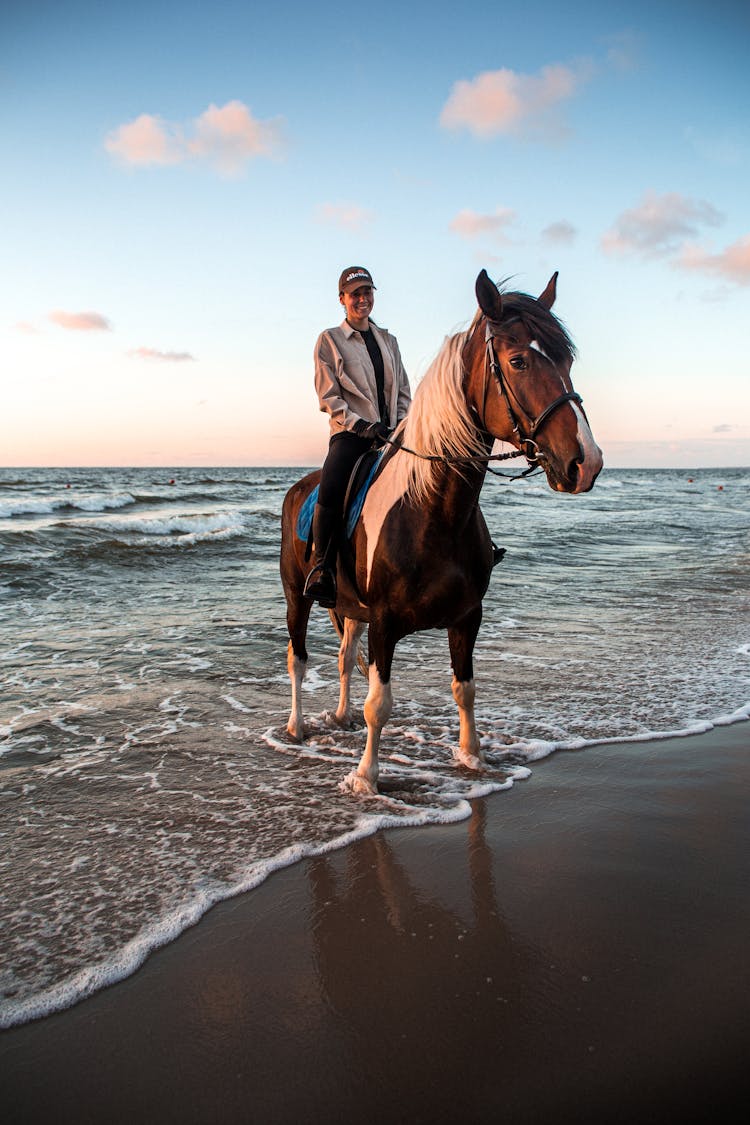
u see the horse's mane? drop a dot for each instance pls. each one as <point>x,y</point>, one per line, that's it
<point>542,325</point>
<point>439,423</point>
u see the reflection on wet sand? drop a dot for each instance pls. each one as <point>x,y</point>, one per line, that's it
<point>377,918</point>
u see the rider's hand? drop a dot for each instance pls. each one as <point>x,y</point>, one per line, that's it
<point>373,431</point>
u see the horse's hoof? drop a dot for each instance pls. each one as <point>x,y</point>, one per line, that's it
<point>358,785</point>
<point>331,719</point>
<point>296,731</point>
<point>468,760</point>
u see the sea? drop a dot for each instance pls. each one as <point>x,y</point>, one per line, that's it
<point>145,769</point>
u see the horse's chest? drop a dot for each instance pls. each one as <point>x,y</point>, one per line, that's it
<point>428,586</point>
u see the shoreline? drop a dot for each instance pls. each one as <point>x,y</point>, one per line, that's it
<point>577,948</point>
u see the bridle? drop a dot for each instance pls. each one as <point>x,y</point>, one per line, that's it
<point>531,426</point>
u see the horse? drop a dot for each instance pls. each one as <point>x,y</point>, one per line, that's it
<point>420,556</point>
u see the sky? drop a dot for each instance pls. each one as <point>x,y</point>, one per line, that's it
<point>182,183</point>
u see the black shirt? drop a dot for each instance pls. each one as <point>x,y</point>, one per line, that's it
<point>377,362</point>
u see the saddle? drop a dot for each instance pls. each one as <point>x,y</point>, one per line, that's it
<point>360,480</point>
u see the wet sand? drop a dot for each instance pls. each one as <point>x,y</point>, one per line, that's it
<point>577,951</point>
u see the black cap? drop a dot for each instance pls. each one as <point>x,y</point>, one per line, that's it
<point>353,277</point>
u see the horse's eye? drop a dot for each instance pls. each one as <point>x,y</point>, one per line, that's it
<point>518,363</point>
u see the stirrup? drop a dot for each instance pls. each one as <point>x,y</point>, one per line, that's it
<point>321,586</point>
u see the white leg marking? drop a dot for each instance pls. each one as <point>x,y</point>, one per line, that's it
<point>296,668</point>
<point>469,750</point>
<point>347,659</point>
<point>378,708</point>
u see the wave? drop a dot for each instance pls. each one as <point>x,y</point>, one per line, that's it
<point>48,505</point>
<point>137,552</point>
<point>197,497</point>
<point>609,482</point>
<point>166,526</point>
<point>241,482</point>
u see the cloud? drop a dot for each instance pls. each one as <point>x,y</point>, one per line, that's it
<point>347,215</point>
<point>470,224</point>
<point>25,328</point>
<point>560,233</point>
<point>505,102</point>
<point>225,137</point>
<point>658,225</point>
<point>147,140</point>
<point>80,322</point>
<point>229,136</point>
<point>164,357</point>
<point>724,428</point>
<point>732,263</point>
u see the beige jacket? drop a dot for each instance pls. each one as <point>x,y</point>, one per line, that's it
<point>345,377</point>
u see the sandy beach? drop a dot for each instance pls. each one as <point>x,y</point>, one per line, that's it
<point>575,951</point>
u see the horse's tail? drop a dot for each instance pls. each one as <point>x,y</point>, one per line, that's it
<point>338,624</point>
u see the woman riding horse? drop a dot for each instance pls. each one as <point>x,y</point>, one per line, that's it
<point>362,385</point>
<point>421,551</point>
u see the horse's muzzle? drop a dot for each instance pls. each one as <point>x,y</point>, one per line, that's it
<point>576,476</point>
<point>584,471</point>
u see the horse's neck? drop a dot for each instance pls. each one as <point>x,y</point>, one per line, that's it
<point>449,506</point>
<point>457,493</point>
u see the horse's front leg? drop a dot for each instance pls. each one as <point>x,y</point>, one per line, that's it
<point>461,639</point>
<point>378,707</point>
<point>347,659</point>
<point>298,612</point>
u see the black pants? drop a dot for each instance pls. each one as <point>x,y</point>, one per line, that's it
<point>344,450</point>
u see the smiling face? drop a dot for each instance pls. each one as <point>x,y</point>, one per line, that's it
<point>358,305</point>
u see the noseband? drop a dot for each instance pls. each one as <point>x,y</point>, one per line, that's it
<point>532,426</point>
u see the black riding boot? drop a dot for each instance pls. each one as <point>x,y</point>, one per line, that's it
<point>321,581</point>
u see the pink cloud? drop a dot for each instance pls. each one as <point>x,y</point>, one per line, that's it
<point>657,226</point>
<point>80,322</point>
<point>350,216</point>
<point>146,140</point>
<point>223,136</point>
<point>732,263</point>
<point>503,101</point>
<point>471,224</point>
<point>229,135</point>
<point>164,357</point>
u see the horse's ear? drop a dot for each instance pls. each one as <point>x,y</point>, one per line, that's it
<point>490,301</point>
<point>547,298</point>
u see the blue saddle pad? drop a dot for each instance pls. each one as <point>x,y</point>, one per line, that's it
<point>304,519</point>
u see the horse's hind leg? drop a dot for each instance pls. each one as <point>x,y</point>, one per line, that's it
<point>461,640</point>
<point>347,659</point>
<point>297,616</point>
